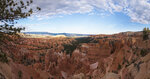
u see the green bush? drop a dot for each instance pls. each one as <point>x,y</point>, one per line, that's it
<point>20,74</point>
<point>3,57</point>
<point>69,48</point>
<point>85,40</point>
<point>31,77</point>
<point>119,67</point>
<point>146,32</point>
<point>144,52</point>
<point>115,71</point>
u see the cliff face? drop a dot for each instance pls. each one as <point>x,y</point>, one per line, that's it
<point>118,56</point>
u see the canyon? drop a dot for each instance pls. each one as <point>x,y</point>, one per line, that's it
<point>118,56</point>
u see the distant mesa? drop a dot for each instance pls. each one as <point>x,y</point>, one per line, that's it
<point>58,34</point>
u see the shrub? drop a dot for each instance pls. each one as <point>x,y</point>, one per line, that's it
<point>124,60</point>
<point>85,40</point>
<point>20,74</point>
<point>144,52</point>
<point>146,32</point>
<point>119,67</point>
<point>134,52</point>
<point>26,61</point>
<point>3,57</point>
<point>116,72</point>
<point>69,48</point>
<point>31,77</point>
<point>48,78</point>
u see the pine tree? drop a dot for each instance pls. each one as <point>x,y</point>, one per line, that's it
<point>10,11</point>
<point>146,32</point>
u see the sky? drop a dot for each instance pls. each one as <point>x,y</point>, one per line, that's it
<point>88,16</point>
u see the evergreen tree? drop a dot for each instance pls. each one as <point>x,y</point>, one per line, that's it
<point>12,10</point>
<point>146,32</point>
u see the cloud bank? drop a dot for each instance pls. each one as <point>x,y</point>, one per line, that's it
<point>137,10</point>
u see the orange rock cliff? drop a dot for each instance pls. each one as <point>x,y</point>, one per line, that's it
<point>118,56</point>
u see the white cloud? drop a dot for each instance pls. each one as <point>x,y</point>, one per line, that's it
<point>137,10</point>
<point>52,7</point>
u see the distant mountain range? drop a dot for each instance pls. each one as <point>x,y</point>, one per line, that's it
<point>54,34</point>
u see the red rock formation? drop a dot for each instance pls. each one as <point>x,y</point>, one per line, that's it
<point>123,55</point>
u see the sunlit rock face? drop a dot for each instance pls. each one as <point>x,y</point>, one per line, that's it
<point>118,56</point>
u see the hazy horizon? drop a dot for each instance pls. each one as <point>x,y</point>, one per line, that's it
<point>81,33</point>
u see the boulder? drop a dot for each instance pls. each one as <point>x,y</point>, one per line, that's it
<point>94,66</point>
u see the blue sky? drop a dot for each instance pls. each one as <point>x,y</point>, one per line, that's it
<point>90,18</point>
